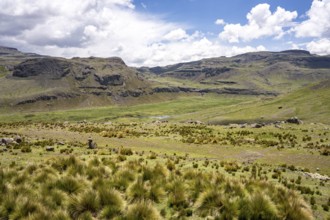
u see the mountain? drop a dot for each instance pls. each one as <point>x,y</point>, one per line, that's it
<point>27,79</point>
<point>276,72</point>
<point>32,82</point>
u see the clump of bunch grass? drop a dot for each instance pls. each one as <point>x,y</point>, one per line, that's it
<point>142,210</point>
<point>84,204</point>
<point>70,188</point>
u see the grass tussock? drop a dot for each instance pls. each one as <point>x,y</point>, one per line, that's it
<point>134,190</point>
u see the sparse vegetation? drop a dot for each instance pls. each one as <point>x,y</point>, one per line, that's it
<point>115,180</point>
<point>143,197</point>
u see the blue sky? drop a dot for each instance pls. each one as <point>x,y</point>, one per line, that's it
<point>162,32</point>
<point>201,14</point>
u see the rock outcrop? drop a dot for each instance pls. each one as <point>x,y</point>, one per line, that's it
<point>235,91</point>
<point>110,80</point>
<point>51,67</point>
<point>294,120</point>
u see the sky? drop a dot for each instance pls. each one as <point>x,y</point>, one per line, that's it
<point>163,32</point>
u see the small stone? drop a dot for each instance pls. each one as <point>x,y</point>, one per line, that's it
<point>50,148</point>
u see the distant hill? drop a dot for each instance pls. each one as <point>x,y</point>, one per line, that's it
<point>310,103</point>
<point>32,82</point>
<point>276,72</point>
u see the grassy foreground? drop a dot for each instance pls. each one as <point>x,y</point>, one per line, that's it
<point>164,171</point>
<point>120,188</point>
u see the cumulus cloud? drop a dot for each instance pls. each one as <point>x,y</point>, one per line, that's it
<point>103,28</point>
<point>261,23</point>
<point>321,47</point>
<point>220,22</point>
<point>317,24</point>
<point>239,50</point>
<point>177,34</point>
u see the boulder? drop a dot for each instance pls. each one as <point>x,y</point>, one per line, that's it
<point>7,141</point>
<point>258,125</point>
<point>294,120</point>
<point>91,144</point>
<point>18,139</point>
<point>50,148</point>
<point>278,126</point>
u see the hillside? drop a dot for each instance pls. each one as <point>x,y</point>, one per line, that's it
<point>275,85</point>
<point>310,103</point>
<point>29,80</point>
<point>277,72</point>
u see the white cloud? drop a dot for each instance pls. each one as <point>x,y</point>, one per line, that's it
<point>104,28</point>
<point>220,22</point>
<point>239,50</point>
<point>321,47</point>
<point>261,23</point>
<point>317,24</point>
<point>177,34</point>
<point>80,28</point>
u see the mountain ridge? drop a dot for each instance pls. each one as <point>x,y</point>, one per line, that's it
<point>31,81</point>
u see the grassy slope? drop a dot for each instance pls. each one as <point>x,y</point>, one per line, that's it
<point>144,112</point>
<point>310,104</point>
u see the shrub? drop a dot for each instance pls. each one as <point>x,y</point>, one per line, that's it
<point>26,149</point>
<point>170,165</point>
<point>152,156</point>
<point>112,202</point>
<point>121,158</point>
<point>293,206</point>
<point>60,215</point>
<point>85,203</point>
<point>209,203</point>
<point>69,185</point>
<point>137,191</point>
<point>312,200</point>
<point>325,207</point>
<point>156,193</point>
<point>160,172</point>
<point>177,196</point>
<point>275,175</point>
<point>24,208</point>
<point>142,210</point>
<point>258,206</point>
<point>8,204</point>
<point>123,178</point>
<point>126,151</point>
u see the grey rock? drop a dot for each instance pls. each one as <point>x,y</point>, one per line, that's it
<point>294,120</point>
<point>110,80</point>
<point>91,144</point>
<point>50,148</point>
<point>7,141</point>
<point>18,139</point>
<point>52,67</point>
